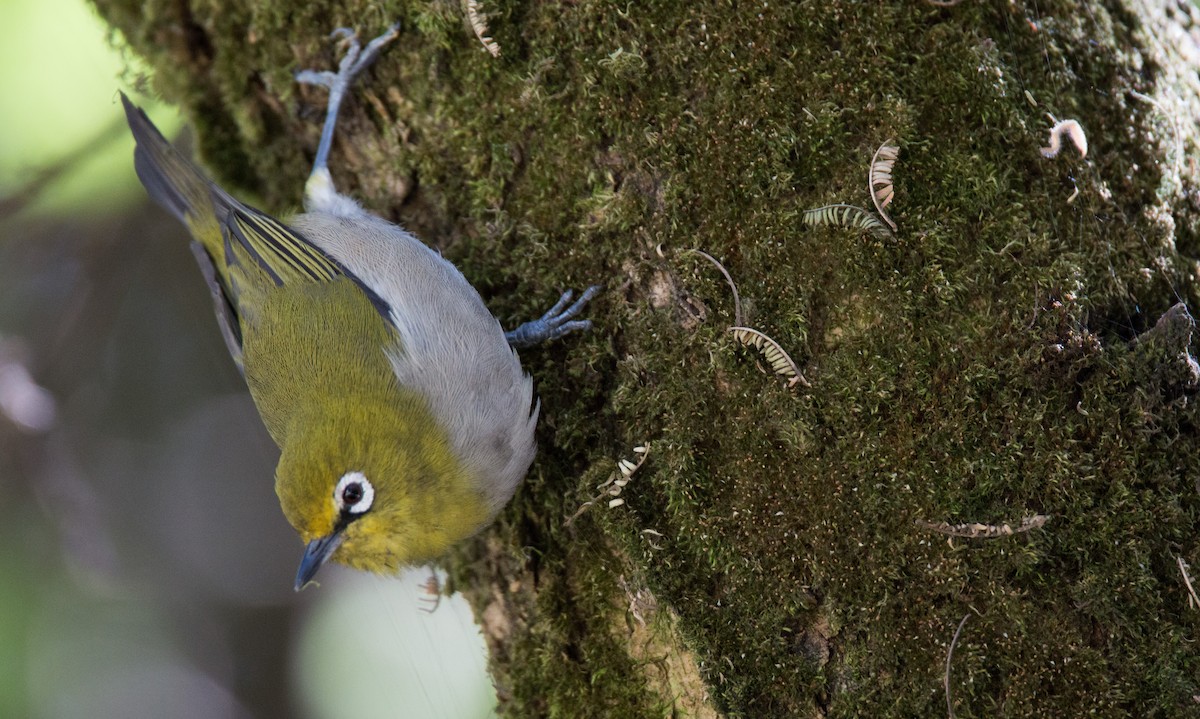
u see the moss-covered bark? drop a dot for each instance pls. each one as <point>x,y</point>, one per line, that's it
<point>983,365</point>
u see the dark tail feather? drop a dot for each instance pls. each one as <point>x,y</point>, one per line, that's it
<point>226,229</point>
<point>169,178</point>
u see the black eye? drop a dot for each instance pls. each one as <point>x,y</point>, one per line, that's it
<point>353,493</point>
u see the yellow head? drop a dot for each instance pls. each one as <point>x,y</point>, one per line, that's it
<point>375,487</point>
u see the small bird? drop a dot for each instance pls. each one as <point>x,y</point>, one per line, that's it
<point>403,417</point>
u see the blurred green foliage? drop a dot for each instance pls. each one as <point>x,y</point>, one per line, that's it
<point>59,104</point>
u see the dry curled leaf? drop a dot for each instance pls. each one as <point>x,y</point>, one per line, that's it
<point>613,486</point>
<point>781,363</point>
<point>847,216</point>
<point>880,179</point>
<point>479,24</point>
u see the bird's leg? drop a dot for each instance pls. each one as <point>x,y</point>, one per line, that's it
<point>555,323</point>
<point>353,62</point>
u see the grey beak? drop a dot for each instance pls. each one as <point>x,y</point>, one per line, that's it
<point>316,554</point>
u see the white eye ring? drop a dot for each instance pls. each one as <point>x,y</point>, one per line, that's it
<point>354,483</point>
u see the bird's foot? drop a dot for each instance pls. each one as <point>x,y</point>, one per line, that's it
<point>555,323</point>
<point>355,60</point>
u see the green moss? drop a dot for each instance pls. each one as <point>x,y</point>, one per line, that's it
<point>975,368</point>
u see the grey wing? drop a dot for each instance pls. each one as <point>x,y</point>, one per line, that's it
<point>226,316</point>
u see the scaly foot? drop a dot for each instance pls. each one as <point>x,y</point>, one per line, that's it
<point>353,62</point>
<point>555,323</point>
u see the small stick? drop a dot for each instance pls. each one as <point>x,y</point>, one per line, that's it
<point>1193,600</point>
<point>737,302</point>
<point>949,658</point>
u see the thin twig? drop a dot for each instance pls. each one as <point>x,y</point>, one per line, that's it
<point>737,302</point>
<point>949,658</point>
<point>1193,600</point>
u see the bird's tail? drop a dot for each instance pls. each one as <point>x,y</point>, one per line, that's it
<point>230,231</point>
<point>171,179</point>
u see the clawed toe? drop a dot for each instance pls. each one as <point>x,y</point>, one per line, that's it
<point>555,323</point>
<point>355,58</point>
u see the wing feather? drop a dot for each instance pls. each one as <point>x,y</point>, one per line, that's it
<point>239,239</point>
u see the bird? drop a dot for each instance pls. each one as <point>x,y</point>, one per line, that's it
<point>404,419</point>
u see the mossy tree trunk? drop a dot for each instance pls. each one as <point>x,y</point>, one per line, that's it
<point>992,361</point>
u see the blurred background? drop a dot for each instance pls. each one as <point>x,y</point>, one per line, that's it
<point>145,567</point>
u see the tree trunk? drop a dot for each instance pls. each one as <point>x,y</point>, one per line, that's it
<point>792,550</point>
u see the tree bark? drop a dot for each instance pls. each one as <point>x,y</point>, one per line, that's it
<point>790,550</point>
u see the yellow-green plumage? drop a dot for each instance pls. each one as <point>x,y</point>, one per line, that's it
<point>323,434</point>
<point>365,352</point>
